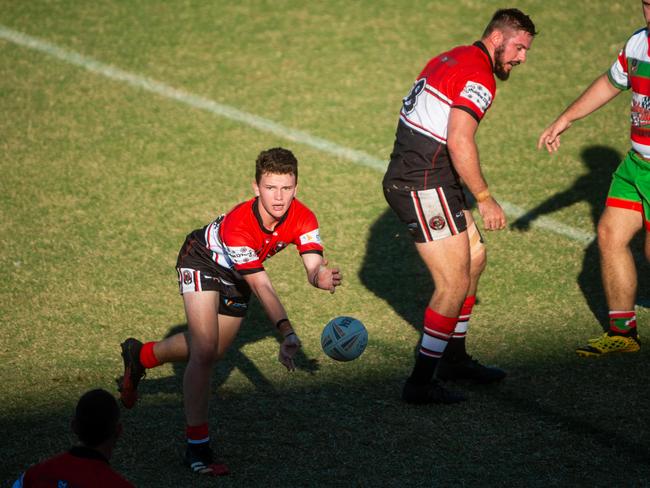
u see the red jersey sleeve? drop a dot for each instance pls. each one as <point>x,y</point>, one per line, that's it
<point>308,236</point>
<point>475,94</point>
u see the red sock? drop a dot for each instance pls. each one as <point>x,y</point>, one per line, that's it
<point>147,357</point>
<point>463,319</point>
<point>197,434</point>
<point>437,332</point>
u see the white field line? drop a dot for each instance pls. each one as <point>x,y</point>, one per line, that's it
<point>251,120</point>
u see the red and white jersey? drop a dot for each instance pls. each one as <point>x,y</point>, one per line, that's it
<point>632,70</point>
<point>239,240</point>
<point>461,78</point>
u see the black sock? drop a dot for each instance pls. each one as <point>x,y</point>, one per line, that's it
<point>455,350</point>
<point>423,370</point>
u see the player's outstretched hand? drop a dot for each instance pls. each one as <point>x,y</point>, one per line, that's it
<point>288,349</point>
<point>328,278</point>
<point>492,214</point>
<point>550,138</point>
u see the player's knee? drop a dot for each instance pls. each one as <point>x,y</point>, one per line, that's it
<point>204,355</point>
<point>608,238</point>
<point>452,286</point>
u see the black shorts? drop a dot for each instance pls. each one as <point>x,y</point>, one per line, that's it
<point>197,272</point>
<point>430,214</point>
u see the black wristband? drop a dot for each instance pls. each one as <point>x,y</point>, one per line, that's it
<point>280,322</point>
<point>290,334</point>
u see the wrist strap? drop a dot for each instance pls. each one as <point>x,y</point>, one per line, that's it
<point>280,322</point>
<point>290,334</point>
<point>483,195</point>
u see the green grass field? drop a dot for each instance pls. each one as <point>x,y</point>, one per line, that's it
<point>102,179</point>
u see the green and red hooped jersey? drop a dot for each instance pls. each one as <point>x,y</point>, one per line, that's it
<point>632,70</point>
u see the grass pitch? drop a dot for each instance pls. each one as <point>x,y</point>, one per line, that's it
<point>101,182</point>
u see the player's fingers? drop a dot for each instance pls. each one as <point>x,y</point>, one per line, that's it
<point>542,140</point>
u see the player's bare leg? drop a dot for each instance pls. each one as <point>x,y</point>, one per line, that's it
<point>456,363</point>
<point>209,335</point>
<point>203,331</point>
<point>448,262</point>
<point>616,228</point>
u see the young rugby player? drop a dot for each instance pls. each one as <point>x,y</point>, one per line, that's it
<point>218,267</point>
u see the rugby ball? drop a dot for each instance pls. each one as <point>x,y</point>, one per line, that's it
<point>344,338</point>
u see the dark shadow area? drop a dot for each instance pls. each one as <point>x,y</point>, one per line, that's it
<point>592,187</point>
<point>256,327</point>
<point>540,428</point>
<point>393,271</point>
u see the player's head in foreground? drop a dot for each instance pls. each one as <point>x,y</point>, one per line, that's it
<point>510,34</point>
<point>276,182</point>
<point>96,420</point>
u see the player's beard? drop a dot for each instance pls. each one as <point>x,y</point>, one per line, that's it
<point>499,64</point>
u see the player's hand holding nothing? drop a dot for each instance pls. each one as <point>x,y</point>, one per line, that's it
<point>550,138</point>
<point>328,278</point>
<point>288,350</point>
<point>492,214</point>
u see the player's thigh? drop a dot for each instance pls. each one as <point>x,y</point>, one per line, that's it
<point>617,226</point>
<point>228,329</point>
<point>448,260</point>
<point>201,310</point>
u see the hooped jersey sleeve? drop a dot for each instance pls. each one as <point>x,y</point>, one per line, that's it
<point>618,73</point>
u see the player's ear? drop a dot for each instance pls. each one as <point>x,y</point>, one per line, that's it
<point>256,188</point>
<point>496,37</point>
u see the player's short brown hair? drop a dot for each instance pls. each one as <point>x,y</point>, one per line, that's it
<point>278,161</point>
<point>510,18</point>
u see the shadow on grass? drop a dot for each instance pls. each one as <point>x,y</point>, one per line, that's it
<point>255,327</point>
<point>542,427</point>
<point>592,187</point>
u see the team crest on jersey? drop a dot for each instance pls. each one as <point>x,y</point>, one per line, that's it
<point>187,277</point>
<point>437,222</point>
<point>477,94</point>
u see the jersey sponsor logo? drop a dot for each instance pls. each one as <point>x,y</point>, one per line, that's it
<point>241,254</point>
<point>437,222</point>
<point>312,237</point>
<point>410,101</point>
<point>477,94</point>
<point>640,111</point>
